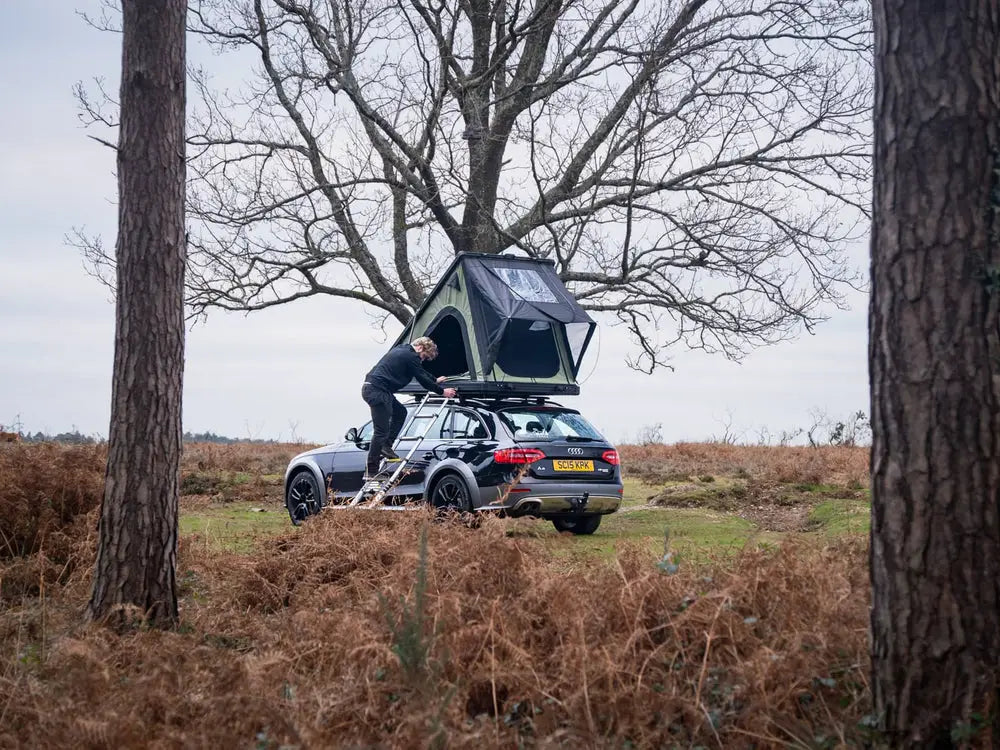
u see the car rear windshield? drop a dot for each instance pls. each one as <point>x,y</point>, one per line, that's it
<point>547,424</point>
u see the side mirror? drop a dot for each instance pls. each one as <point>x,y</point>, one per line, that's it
<point>352,435</point>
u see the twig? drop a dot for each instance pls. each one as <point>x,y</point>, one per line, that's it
<point>586,694</point>
<point>708,648</point>
<point>493,677</point>
<point>711,724</point>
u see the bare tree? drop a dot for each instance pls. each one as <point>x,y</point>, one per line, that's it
<point>728,436</point>
<point>138,527</point>
<point>694,168</point>
<point>818,420</point>
<point>854,430</point>
<point>650,434</point>
<point>934,359</point>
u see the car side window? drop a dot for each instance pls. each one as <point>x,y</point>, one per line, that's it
<point>365,433</point>
<point>420,423</point>
<point>464,425</point>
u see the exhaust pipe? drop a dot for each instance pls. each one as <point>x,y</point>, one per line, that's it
<point>526,507</point>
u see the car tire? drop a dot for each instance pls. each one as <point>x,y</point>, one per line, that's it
<point>579,525</point>
<point>450,493</point>
<point>303,497</point>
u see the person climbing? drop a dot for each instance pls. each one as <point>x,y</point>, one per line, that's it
<point>394,371</point>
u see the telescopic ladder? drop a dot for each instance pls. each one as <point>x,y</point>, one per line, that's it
<point>376,488</point>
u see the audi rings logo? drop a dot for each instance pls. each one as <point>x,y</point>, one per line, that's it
<point>575,451</point>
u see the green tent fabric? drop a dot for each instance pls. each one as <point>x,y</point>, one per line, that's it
<point>504,325</point>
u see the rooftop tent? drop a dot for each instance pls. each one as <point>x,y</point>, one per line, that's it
<point>504,325</point>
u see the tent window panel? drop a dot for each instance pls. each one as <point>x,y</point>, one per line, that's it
<point>576,336</point>
<point>527,284</point>
<point>449,337</point>
<point>529,350</point>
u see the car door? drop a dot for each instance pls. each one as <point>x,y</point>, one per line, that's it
<point>351,458</point>
<point>349,464</point>
<point>464,436</point>
<point>422,435</point>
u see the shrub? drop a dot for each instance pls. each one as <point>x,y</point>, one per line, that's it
<point>45,488</point>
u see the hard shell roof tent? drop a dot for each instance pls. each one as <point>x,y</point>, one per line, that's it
<point>504,326</point>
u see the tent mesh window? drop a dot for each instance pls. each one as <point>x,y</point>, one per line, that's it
<point>448,336</point>
<point>528,350</point>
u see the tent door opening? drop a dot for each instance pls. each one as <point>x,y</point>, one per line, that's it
<point>452,359</point>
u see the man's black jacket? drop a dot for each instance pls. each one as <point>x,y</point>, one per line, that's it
<point>397,368</point>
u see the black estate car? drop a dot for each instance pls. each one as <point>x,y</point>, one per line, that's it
<point>517,457</point>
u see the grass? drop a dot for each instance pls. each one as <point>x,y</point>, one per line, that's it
<point>841,516</point>
<point>239,528</point>
<point>235,527</point>
<point>696,535</point>
<point>689,529</point>
<point>703,518</point>
<point>637,492</point>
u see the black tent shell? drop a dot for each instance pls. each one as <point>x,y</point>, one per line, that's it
<point>504,325</point>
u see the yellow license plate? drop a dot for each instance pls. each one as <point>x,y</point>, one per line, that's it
<point>566,464</point>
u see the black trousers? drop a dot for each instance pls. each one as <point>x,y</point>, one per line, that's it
<point>388,416</point>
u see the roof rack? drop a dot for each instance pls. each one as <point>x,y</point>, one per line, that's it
<point>492,403</point>
<point>491,389</point>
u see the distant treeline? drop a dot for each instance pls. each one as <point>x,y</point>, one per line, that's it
<point>78,438</point>
<point>211,437</point>
<point>74,438</point>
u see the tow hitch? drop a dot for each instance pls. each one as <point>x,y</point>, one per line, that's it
<point>579,504</point>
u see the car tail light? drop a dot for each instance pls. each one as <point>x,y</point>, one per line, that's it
<point>611,457</point>
<point>518,455</point>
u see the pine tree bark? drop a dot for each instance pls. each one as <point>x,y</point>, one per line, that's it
<point>134,576</point>
<point>934,357</point>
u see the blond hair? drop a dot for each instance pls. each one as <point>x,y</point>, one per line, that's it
<point>426,344</point>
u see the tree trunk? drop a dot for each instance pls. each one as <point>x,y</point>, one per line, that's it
<point>134,574</point>
<point>934,357</point>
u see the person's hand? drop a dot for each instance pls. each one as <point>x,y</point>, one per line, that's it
<point>442,378</point>
<point>450,393</point>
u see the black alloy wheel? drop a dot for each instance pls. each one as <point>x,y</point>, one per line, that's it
<point>303,498</point>
<point>451,494</point>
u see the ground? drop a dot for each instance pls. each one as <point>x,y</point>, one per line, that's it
<point>371,629</point>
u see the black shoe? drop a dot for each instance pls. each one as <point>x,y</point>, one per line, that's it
<point>389,454</point>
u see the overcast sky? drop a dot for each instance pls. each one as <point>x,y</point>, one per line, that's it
<point>301,365</point>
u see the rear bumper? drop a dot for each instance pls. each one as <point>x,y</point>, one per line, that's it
<point>558,500</point>
<point>551,505</point>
